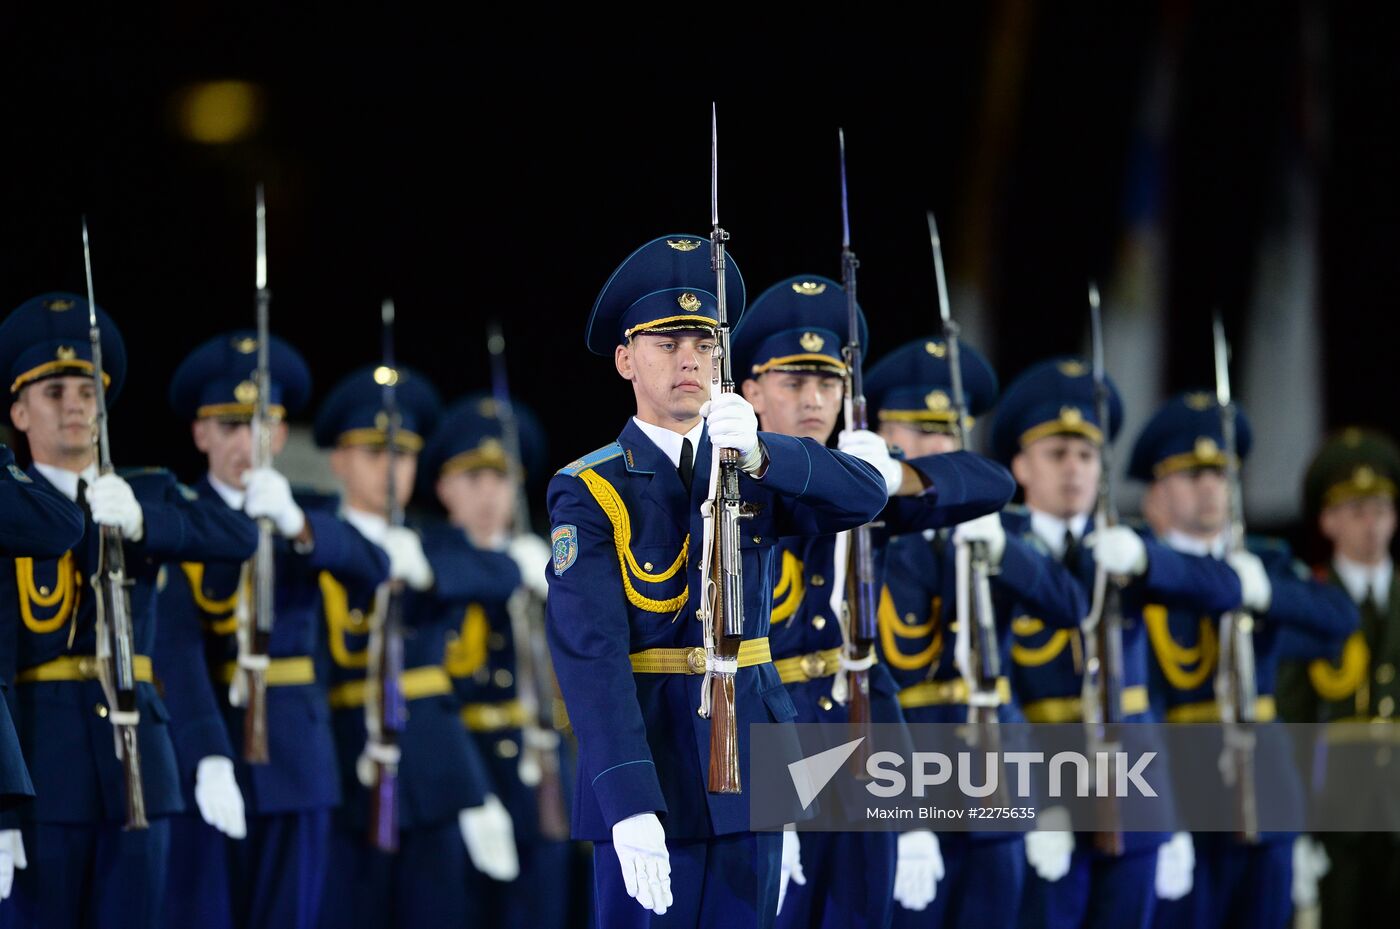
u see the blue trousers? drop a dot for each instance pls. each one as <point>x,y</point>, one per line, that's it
<point>548,894</point>
<point>90,876</point>
<point>279,871</point>
<point>420,886</point>
<point>1099,892</point>
<point>981,886</point>
<point>1237,886</point>
<point>850,882</point>
<point>728,881</point>
<point>196,888</point>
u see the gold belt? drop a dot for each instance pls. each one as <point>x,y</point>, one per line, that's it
<point>80,668</point>
<point>945,693</point>
<point>414,683</point>
<point>692,660</point>
<point>1071,709</point>
<point>281,672</point>
<point>493,717</point>
<point>1208,711</point>
<point>809,667</point>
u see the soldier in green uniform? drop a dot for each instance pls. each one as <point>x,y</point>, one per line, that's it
<point>1350,492</point>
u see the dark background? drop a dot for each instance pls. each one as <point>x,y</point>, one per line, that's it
<point>502,173</point>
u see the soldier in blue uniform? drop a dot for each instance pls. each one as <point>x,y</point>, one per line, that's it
<point>1047,430</point>
<point>468,469</point>
<point>789,353</point>
<point>445,803</point>
<point>275,876</point>
<point>34,523</point>
<point>88,870</point>
<point>1180,454</point>
<point>911,391</point>
<point>625,585</point>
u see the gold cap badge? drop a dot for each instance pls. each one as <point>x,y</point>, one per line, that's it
<point>1200,401</point>
<point>1073,369</point>
<point>811,342</point>
<point>246,392</point>
<point>1206,449</point>
<point>65,353</point>
<point>689,302</point>
<point>808,288</point>
<point>1070,415</point>
<point>58,306</point>
<point>245,346</point>
<point>1363,477</point>
<point>683,245</point>
<point>936,349</point>
<point>937,401</point>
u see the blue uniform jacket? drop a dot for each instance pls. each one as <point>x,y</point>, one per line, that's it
<point>481,658</point>
<point>35,522</point>
<point>63,727</point>
<point>203,597</point>
<point>441,771</point>
<point>626,577</point>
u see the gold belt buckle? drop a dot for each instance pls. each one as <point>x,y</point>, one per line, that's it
<point>87,667</point>
<point>813,665</point>
<point>695,661</point>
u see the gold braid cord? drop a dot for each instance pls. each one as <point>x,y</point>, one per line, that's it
<point>607,496</point>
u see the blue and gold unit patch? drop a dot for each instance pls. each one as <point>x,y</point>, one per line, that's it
<point>564,541</point>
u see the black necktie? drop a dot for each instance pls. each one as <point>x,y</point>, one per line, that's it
<point>1071,559</point>
<point>81,496</point>
<point>687,465</point>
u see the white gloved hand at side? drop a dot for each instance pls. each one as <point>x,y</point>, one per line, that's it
<point>1176,866</point>
<point>11,858</point>
<point>1049,853</point>
<point>791,869</point>
<point>1310,865</point>
<point>733,424</point>
<point>113,503</point>
<point>217,795</point>
<point>267,493</point>
<point>987,529</point>
<point>918,869</point>
<point>640,845</point>
<point>871,449</point>
<point>489,835</point>
<point>532,555</point>
<point>407,562</point>
<point>1118,550</point>
<point>1256,591</point>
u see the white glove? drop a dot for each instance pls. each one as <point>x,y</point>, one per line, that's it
<point>918,869</point>
<point>640,844</point>
<point>11,857</point>
<point>1255,590</point>
<point>1310,865</point>
<point>489,836</point>
<point>531,554</point>
<point>791,866</point>
<point>1118,550</point>
<point>733,424</point>
<point>217,795</point>
<point>1176,865</point>
<point>871,449</point>
<point>267,493</point>
<point>1049,853</point>
<point>407,562</point>
<point>986,529</point>
<point>113,504</point>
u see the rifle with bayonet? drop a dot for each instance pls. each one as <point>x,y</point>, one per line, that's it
<point>534,674</point>
<point>1236,687</point>
<point>386,712</point>
<point>255,631</point>
<point>115,650</point>
<point>862,593</point>
<point>721,609</point>
<point>1102,630</point>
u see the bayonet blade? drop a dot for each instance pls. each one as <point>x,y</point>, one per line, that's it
<point>87,270</point>
<point>1096,329</point>
<point>714,165</point>
<point>944,310</point>
<point>262,241</point>
<point>845,208</point>
<point>1222,363</point>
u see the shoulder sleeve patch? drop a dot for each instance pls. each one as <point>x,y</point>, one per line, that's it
<point>18,475</point>
<point>564,544</point>
<point>591,460</point>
